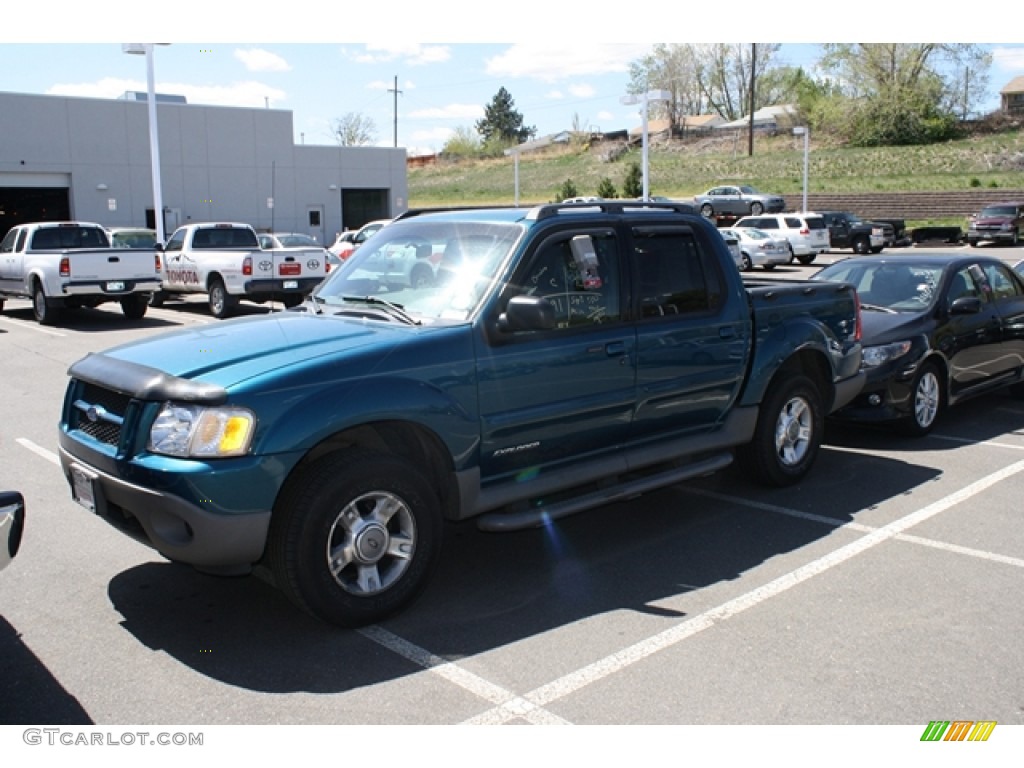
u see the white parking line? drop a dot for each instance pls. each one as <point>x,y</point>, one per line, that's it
<point>31,326</point>
<point>38,449</point>
<point>462,678</point>
<point>616,662</point>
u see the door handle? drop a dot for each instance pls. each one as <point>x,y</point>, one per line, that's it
<point>615,348</point>
<point>727,332</point>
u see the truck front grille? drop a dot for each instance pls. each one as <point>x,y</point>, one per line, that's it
<point>99,413</point>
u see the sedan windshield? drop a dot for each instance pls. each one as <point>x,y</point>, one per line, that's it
<point>900,287</point>
<point>433,271</point>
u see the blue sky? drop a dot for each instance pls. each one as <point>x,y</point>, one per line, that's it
<point>560,73</point>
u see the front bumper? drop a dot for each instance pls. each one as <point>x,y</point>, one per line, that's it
<point>990,235</point>
<point>190,525</point>
<point>887,395</point>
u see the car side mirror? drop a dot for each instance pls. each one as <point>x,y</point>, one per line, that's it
<point>527,313</point>
<point>965,305</point>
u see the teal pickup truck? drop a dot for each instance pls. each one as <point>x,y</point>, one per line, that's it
<point>509,365</point>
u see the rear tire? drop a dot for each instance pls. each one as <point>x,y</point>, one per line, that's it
<point>355,537</point>
<point>292,300</point>
<point>807,258</point>
<point>47,311</point>
<point>745,263</point>
<point>134,307</point>
<point>157,299</point>
<point>768,267</point>
<point>789,430</point>
<point>222,303</point>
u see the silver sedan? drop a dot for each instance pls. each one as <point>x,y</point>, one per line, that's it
<point>759,249</point>
<point>738,201</point>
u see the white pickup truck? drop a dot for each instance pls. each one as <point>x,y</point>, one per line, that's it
<point>225,261</point>
<point>69,264</point>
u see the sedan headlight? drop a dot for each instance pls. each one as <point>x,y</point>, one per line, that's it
<point>195,431</point>
<point>872,357</point>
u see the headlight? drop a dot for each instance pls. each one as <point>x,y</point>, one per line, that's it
<point>872,357</point>
<point>194,431</point>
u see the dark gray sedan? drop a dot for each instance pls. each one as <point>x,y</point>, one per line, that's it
<point>738,201</point>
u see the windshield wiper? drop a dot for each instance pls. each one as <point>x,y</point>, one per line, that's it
<point>395,310</point>
<point>879,308</point>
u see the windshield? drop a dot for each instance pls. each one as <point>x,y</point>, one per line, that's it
<point>434,270</point>
<point>998,210</point>
<point>901,287</point>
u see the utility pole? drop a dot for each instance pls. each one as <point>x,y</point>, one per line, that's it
<point>396,92</point>
<point>753,71</point>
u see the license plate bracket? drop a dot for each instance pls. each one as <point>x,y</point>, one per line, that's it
<point>83,487</point>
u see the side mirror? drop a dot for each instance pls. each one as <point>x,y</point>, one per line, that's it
<point>527,313</point>
<point>965,305</point>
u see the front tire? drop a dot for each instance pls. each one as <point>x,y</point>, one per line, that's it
<point>707,211</point>
<point>926,401</point>
<point>789,430</point>
<point>222,303</point>
<point>756,209</point>
<point>355,537</point>
<point>861,245</point>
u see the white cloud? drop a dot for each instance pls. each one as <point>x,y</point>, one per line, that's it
<point>582,91</point>
<point>1008,58</point>
<point>259,60</point>
<point>244,94</point>
<point>413,54</point>
<point>555,95</point>
<point>551,62</point>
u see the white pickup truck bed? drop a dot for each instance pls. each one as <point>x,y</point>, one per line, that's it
<point>224,260</point>
<point>70,264</point>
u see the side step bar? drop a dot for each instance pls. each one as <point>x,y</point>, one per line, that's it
<point>536,517</point>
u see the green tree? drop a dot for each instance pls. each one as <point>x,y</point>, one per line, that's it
<point>905,93</point>
<point>633,186</point>
<point>606,189</point>
<point>463,143</point>
<point>502,122</point>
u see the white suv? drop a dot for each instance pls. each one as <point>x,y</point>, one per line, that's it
<point>806,232</point>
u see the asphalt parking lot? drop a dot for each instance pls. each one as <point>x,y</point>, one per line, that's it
<point>881,591</point>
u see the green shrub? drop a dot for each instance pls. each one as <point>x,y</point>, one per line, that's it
<point>606,189</point>
<point>975,182</point>
<point>567,190</point>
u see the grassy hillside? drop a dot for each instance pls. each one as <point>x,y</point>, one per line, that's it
<point>683,169</point>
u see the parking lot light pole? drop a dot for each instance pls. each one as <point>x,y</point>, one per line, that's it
<point>646,99</point>
<point>154,141</point>
<point>805,131</point>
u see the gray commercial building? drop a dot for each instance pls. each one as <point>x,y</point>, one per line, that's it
<point>89,159</point>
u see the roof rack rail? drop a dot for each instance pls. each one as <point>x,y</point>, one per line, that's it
<point>609,206</point>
